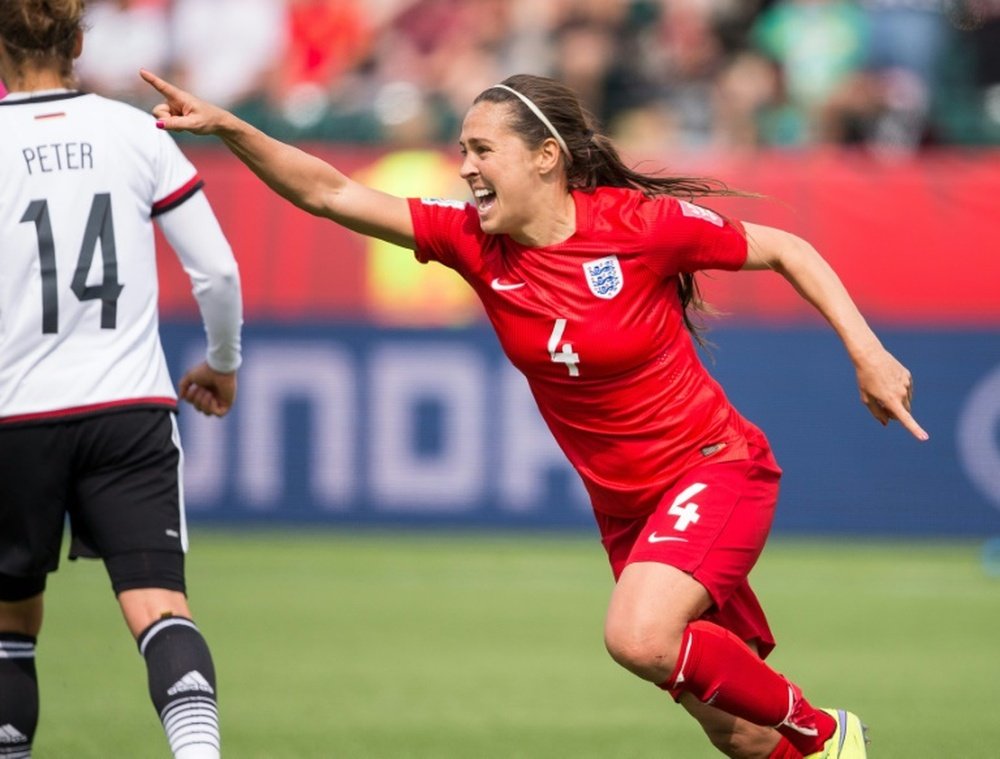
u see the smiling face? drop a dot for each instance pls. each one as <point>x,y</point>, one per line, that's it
<point>510,181</point>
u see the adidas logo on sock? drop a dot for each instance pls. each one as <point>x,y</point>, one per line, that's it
<point>193,680</point>
<point>10,734</point>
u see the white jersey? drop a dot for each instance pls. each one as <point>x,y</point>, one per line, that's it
<point>81,178</point>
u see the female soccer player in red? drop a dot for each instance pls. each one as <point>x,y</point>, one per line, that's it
<point>585,268</point>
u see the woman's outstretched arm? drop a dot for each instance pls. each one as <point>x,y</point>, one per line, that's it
<point>304,179</point>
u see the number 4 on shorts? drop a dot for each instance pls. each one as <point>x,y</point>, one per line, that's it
<point>684,508</point>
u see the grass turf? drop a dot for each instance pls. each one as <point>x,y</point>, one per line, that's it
<point>362,645</point>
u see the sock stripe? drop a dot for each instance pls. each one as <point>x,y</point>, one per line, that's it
<point>151,631</point>
<point>791,706</point>
<point>176,708</point>
<point>191,721</point>
<point>679,679</point>
<point>17,649</point>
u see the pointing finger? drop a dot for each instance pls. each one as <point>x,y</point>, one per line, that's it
<point>907,420</point>
<point>160,85</point>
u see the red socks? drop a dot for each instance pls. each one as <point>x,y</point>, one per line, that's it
<point>719,669</point>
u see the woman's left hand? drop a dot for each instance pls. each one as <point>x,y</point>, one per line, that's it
<point>887,390</point>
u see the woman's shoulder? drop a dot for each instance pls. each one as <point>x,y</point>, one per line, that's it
<point>627,198</point>
<point>609,207</point>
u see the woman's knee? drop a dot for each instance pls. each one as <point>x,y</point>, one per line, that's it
<point>649,610</point>
<point>143,606</point>
<point>650,653</point>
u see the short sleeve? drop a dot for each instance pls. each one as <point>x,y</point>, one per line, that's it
<point>176,177</point>
<point>439,226</point>
<point>685,237</point>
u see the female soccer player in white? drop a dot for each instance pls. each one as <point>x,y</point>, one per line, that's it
<point>585,269</point>
<point>87,409</point>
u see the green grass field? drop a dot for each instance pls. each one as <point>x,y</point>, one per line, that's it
<point>359,645</point>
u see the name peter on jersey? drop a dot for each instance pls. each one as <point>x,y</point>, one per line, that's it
<point>58,156</point>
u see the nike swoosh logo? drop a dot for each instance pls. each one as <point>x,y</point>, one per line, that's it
<point>654,538</point>
<point>496,284</point>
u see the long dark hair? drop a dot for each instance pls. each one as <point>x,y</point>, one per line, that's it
<point>41,32</point>
<point>594,161</point>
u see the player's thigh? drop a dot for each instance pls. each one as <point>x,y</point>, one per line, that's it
<point>712,524</point>
<point>129,509</point>
<point>35,493</point>
<point>651,604</point>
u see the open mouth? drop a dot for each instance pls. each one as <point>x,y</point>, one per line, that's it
<point>484,199</point>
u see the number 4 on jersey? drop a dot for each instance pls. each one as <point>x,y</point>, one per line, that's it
<point>99,228</point>
<point>563,354</point>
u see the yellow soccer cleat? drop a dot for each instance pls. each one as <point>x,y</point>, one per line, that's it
<point>849,740</point>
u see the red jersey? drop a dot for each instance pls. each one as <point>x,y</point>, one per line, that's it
<point>596,325</point>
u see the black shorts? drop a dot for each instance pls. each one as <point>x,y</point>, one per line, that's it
<point>116,476</point>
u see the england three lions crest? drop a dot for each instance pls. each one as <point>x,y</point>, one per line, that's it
<point>604,276</point>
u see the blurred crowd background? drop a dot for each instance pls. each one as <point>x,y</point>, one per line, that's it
<point>894,76</point>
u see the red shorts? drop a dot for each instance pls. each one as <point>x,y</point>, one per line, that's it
<point>712,523</point>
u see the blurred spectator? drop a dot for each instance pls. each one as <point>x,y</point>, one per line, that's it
<point>976,100</point>
<point>750,107</point>
<point>887,106</point>
<point>227,50</point>
<point>890,75</point>
<point>584,51</point>
<point>906,34</point>
<point>695,57</point>
<point>818,44</point>
<point>683,71</point>
<point>449,50</point>
<point>326,40</point>
<point>124,36</point>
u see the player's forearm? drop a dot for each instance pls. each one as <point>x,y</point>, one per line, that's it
<point>196,237</point>
<point>816,281</point>
<point>303,179</point>
<point>222,315</point>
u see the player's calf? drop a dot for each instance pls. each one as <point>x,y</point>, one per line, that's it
<point>18,695</point>
<point>182,686</point>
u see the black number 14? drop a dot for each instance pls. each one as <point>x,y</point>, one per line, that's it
<point>99,228</point>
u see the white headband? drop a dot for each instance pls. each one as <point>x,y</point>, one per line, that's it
<point>541,117</point>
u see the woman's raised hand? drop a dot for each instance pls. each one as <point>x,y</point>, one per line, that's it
<point>181,110</point>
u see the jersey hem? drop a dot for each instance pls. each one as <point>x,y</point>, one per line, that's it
<point>58,415</point>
